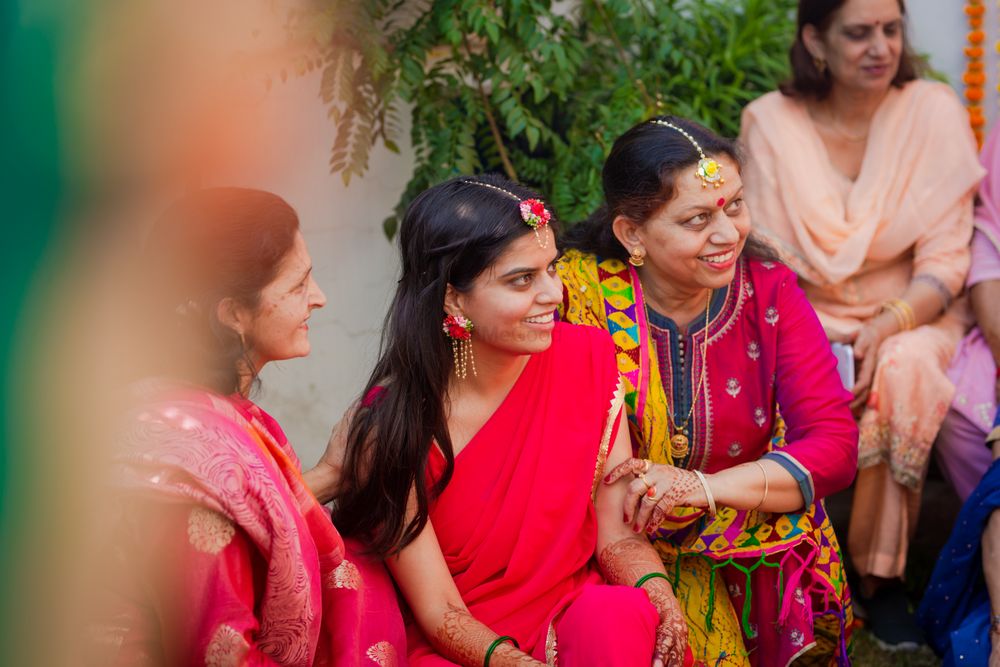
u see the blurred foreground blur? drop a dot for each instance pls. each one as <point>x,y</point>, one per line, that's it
<point>112,110</point>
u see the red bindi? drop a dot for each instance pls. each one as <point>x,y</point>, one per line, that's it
<point>722,200</point>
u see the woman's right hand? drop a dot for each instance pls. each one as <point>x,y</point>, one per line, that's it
<point>866,346</point>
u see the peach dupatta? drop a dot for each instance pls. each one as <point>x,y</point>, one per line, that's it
<point>857,244</point>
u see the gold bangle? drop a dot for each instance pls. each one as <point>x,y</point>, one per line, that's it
<point>907,309</point>
<point>766,485</point>
<point>712,509</point>
<point>903,312</point>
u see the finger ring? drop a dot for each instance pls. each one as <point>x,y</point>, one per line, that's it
<point>642,476</point>
<point>651,492</point>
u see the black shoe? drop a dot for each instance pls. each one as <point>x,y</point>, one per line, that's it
<point>890,620</point>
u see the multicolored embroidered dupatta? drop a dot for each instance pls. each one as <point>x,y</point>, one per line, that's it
<point>719,566</point>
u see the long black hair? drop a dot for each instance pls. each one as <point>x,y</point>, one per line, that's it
<point>639,179</point>
<point>450,234</point>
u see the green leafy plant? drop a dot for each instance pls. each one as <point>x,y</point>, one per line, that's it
<point>536,89</point>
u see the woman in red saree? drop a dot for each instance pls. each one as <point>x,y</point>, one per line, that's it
<point>221,554</point>
<point>475,462</point>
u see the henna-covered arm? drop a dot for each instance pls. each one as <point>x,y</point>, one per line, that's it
<point>625,556</point>
<point>426,583</point>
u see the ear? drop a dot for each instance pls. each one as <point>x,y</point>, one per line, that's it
<point>627,232</point>
<point>813,41</point>
<point>453,301</point>
<point>232,315</point>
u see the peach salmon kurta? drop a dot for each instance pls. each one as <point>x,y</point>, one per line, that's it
<point>857,244</point>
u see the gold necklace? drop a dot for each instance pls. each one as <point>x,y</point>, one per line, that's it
<point>679,441</point>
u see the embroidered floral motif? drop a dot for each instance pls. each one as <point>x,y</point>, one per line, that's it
<point>797,638</point>
<point>345,575</point>
<point>226,649</point>
<point>209,532</point>
<point>733,387</point>
<point>799,595</point>
<point>749,290</point>
<point>383,654</point>
<point>735,449</point>
<point>753,350</point>
<point>767,265</point>
<point>759,416</point>
<point>771,315</point>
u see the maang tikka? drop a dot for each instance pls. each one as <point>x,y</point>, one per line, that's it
<point>708,170</point>
<point>533,211</point>
<point>459,330</point>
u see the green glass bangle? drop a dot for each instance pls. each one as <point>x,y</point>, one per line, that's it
<point>652,575</point>
<point>495,644</point>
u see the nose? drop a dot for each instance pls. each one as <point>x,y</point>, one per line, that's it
<point>552,290</point>
<point>879,44</point>
<point>726,232</point>
<point>317,297</point>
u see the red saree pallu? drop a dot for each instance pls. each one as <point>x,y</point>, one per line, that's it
<point>227,556</point>
<point>516,523</point>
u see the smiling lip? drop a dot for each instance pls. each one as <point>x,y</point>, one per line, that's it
<point>876,69</point>
<point>547,318</point>
<point>720,261</point>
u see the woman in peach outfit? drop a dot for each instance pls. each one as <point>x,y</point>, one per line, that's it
<point>863,177</point>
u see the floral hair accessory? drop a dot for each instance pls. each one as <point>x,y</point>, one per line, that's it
<point>708,170</point>
<point>533,211</point>
<point>457,327</point>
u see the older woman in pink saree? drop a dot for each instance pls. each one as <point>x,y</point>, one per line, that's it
<point>221,554</point>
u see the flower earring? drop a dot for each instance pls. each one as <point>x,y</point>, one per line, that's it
<point>637,257</point>
<point>459,330</point>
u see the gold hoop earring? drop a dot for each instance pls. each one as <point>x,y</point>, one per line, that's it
<point>637,257</point>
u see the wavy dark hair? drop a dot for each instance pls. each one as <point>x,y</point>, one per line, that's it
<point>450,234</point>
<point>806,79</point>
<point>208,245</point>
<point>639,180</point>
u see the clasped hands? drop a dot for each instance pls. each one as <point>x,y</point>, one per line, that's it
<point>654,490</point>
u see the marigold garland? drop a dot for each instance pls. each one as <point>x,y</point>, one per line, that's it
<point>974,76</point>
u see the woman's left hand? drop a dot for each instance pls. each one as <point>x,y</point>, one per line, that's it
<point>655,491</point>
<point>672,632</point>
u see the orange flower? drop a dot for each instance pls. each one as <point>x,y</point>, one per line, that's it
<point>974,10</point>
<point>974,94</point>
<point>975,66</point>
<point>976,37</point>
<point>974,51</point>
<point>975,22</point>
<point>977,122</point>
<point>973,78</point>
